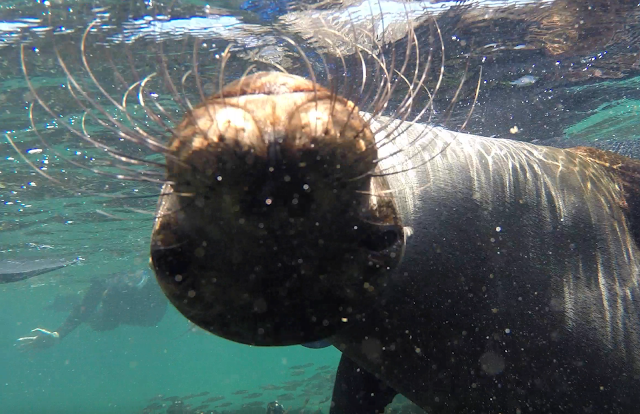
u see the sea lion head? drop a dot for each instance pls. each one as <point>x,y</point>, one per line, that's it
<point>277,223</point>
<point>272,230</point>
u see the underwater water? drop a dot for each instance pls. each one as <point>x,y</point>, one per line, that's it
<point>84,210</point>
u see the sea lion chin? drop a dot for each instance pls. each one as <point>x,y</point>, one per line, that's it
<point>271,230</point>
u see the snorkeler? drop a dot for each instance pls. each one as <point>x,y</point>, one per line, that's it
<point>122,299</point>
<point>275,407</point>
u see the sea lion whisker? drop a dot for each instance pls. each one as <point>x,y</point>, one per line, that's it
<point>223,63</point>
<point>108,215</point>
<point>390,193</point>
<point>431,103</point>
<point>340,56</point>
<point>327,71</point>
<point>411,38</point>
<point>399,129</point>
<point>406,126</point>
<point>142,103</point>
<point>196,72</point>
<point>63,157</point>
<point>127,86</point>
<point>333,88</point>
<point>168,154</point>
<point>441,74</point>
<point>140,178</point>
<point>475,100</point>
<point>145,196</point>
<point>306,61</point>
<point>381,76</point>
<point>381,99</point>
<point>331,81</point>
<point>151,113</point>
<point>171,212</point>
<point>277,66</point>
<point>405,114</point>
<point>308,64</point>
<point>183,81</point>
<point>152,144</point>
<point>179,99</point>
<point>348,93</point>
<point>29,163</point>
<point>334,95</point>
<point>198,79</point>
<point>112,152</point>
<point>83,135</point>
<point>440,78</point>
<point>454,99</point>
<point>363,64</point>
<point>357,50</point>
<point>384,81</point>
<point>119,129</point>
<point>49,177</point>
<point>189,113</point>
<point>46,144</point>
<point>392,68</point>
<point>383,91</point>
<point>149,133</point>
<point>116,127</point>
<point>381,63</point>
<point>246,71</point>
<point>421,83</point>
<point>382,25</point>
<point>48,109</point>
<point>141,211</point>
<point>414,85</point>
<point>334,98</point>
<point>406,105</point>
<point>437,87</point>
<point>125,198</point>
<point>141,172</point>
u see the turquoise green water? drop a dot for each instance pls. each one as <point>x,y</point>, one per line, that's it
<point>617,119</point>
<point>120,371</point>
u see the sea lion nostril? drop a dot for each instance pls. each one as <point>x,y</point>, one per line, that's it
<point>273,153</point>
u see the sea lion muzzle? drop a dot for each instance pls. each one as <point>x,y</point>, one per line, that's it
<point>272,230</point>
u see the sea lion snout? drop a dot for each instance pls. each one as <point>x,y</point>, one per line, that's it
<point>271,233</point>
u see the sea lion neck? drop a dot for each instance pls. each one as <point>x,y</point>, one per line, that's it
<point>271,198</point>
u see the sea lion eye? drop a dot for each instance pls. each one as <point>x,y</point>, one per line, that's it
<point>381,241</point>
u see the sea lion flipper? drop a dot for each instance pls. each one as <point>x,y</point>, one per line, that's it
<point>357,391</point>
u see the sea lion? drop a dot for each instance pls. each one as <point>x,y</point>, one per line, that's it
<point>469,274</point>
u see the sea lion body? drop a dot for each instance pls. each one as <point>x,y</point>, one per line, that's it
<point>469,274</point>
<point>519,284</point>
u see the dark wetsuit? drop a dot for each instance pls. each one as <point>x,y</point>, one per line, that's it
<point>122,299</point>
